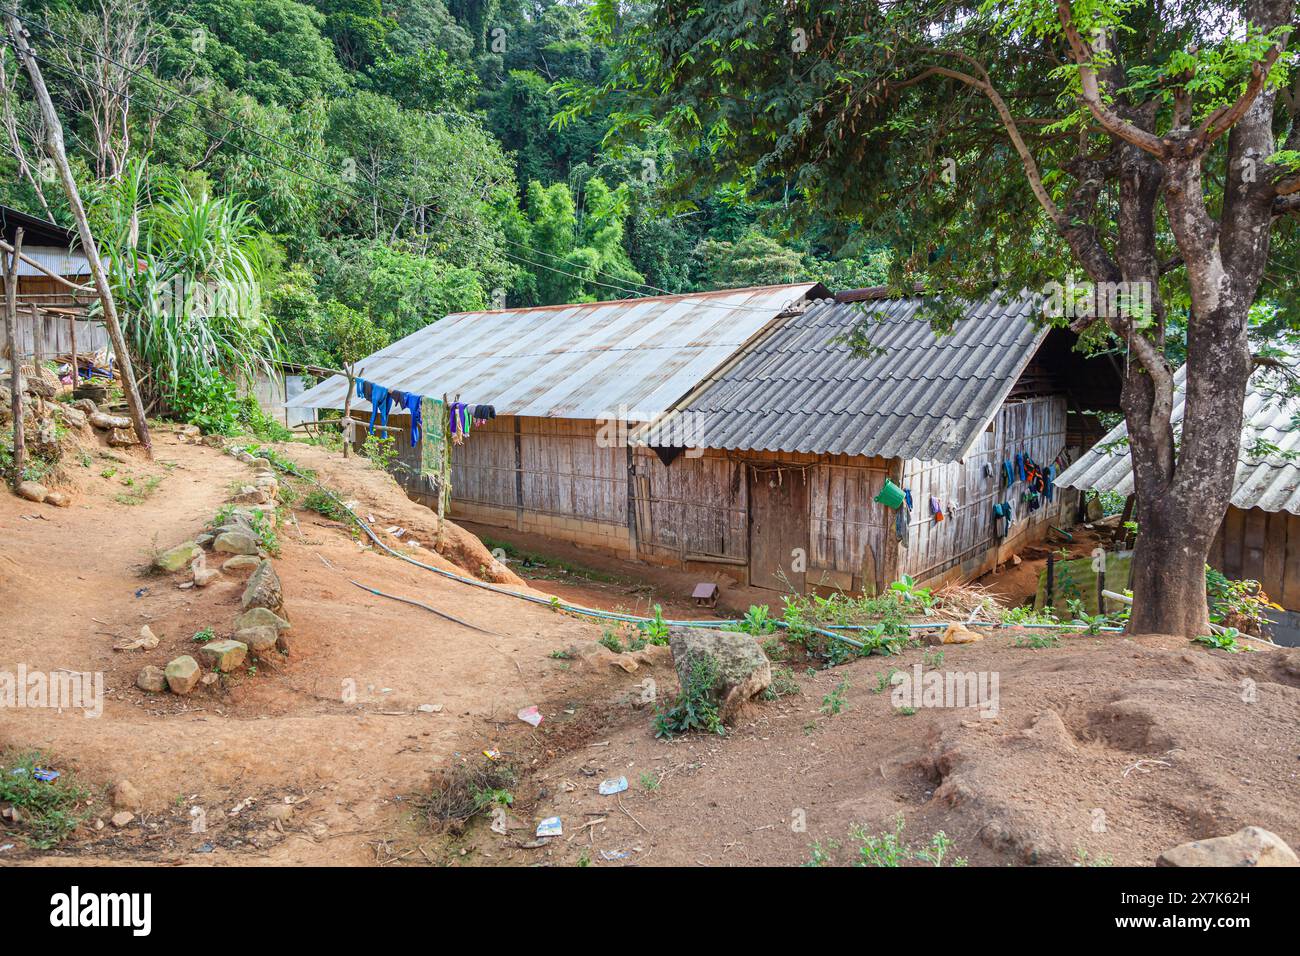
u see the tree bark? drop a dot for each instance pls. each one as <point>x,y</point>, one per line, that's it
<point>54,143</point>
<point>11,330</point>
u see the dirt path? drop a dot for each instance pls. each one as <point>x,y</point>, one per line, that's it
<point>1102,748</point>
<point>75,582</point>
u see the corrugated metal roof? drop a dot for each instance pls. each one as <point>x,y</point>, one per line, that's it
<point>801,388</point>
<point>1272,484</point>
<point>632,358</point>
<point>59,260</point>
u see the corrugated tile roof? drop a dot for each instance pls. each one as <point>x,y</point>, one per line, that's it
<point>1272,484</point>
<point>801,388</point>
<point>574,361</point>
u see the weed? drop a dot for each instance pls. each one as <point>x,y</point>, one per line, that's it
<point>783,684</point>
<point>465,790</point>
<point>108,472</point>
<point>381,451</point>
<point>757,621</point>
<point>561,655</point>
<point>655,630</point>
<point>611,640</point>
<point>890,849</point>
<point>833,703</point>
<point>1227,641</point>
<point>820,856</point>
<point>323,503</point>
<point>140,493</point>
<point>694,709</point>
<point>884,679</point>
<point>933,659</point>
<point>905,711</point>
<point>203,636</point>
<point>1038,641</point>
<point>649,781</point>
<point>47,810</point>
<point>584,859</point>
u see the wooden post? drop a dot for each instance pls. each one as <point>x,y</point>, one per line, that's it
<point>72,329</point>
<point>38,339</point>
<point>54,145</point>
<point>11,330</point>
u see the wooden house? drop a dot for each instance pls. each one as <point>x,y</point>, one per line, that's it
<point>741,431</point>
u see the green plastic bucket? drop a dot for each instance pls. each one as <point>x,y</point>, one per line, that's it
<point>891,496</point>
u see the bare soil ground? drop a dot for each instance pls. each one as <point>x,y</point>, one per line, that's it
<point>1110,747</point>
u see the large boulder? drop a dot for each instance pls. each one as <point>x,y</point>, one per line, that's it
<point>263,589</point>
<point>743,670</point>
<point>177,558</point>
<point>1249,846</point>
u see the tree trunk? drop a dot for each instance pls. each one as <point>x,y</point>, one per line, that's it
<point>11,330</point>
<point>1174,537</point>
<point>54,144</point>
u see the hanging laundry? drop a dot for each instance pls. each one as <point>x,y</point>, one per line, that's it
<point>413,405</point>
<point>1020,466</point>
<point>1006,473</point>
<point>1003,511</point>
<point>907,497</point>
<point>936,508</point>
<point>380,402</point>
<point>1050,489</point>
<point>435,457</point>
<point>902,522</point>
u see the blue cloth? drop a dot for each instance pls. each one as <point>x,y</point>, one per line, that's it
<point>907,495</point>
<point>379,405</point>
<point>412,403</point>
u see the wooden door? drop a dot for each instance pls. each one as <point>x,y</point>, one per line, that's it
<point>778,528</point>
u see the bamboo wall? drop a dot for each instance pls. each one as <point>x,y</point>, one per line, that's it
<point>554,478</point>
<point>966,542</point>
<point>1263,546</point>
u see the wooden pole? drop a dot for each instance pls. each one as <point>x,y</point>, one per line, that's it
<point>72,330</point>
<point>11,330</point>
<point>54,145</point>
<point>38,340</point>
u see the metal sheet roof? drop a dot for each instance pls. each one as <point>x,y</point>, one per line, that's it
<point>632,358</point>
<point>800,388</point>
<point>1272,484</point>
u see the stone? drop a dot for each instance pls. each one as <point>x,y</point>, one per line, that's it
<point>203,540</point>
<point>58,499</point>
<point>263,589</point>
<point>203,575</point>
<point>74,416</point>
<point>956,634</point>
<point>241,562</point>
<point>235,542</point>
<point>182,674</point>
<point>122,437</point>
<point>246,458</point>
<point>31,490</point>
<point>261,641</point>
<point>85,406</point>
<point>743,670</point>
<point>1249,846</point>
<point>122,819</point>
<point>152,679</point>
<point>106,422</point>
<point>146,639</point>
<point>224,655</point>
<point>261,617</point>
<point>126,796</point>
<point>248,495</point>
<point>279,812</point>
<point>430,708</point>
<point>177,558</point>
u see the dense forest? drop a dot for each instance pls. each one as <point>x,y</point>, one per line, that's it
<point>356,169</point>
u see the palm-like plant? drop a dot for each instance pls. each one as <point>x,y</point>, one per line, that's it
<point>186,269</point>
